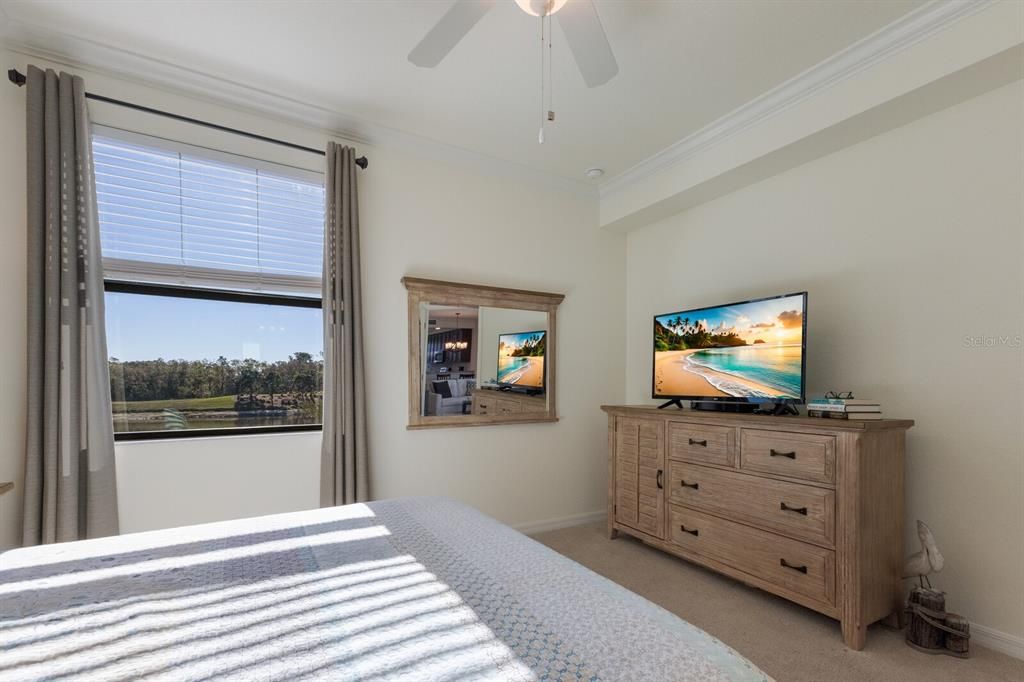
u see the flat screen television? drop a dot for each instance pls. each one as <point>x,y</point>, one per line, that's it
<point>521,360</point>
<point>751,352</point>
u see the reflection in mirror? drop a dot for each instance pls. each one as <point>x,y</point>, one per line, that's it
<point>483,361</point>
<point>512,362</point>
<point>450,358</point>
<point>512,349</point>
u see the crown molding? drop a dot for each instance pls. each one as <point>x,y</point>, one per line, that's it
<point>917,25</point>
<point>35,41</point>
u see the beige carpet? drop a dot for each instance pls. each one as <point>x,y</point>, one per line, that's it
<point>786,641</point>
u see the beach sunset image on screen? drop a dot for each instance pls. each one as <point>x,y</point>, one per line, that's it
<point>521,359</point>
<point>746,350</point>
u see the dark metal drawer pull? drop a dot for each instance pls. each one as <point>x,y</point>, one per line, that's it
<point>702,443</point>
<point>695,486</point>
<point>799,510</point>
<point>786,564</point>
<point>658,478</point>
<point>691,531</point>
<point>775,453</point>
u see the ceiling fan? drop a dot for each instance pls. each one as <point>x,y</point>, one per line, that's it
<point>579,21</point>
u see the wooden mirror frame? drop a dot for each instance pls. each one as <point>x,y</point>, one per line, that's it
<point>436,292</point>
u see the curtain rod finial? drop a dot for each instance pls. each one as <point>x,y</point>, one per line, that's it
<point>15,77</point>
<point>362,162</point>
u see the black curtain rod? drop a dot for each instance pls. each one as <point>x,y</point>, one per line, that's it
<point>19,79</point>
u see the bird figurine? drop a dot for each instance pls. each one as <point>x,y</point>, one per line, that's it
<point>928,560</point>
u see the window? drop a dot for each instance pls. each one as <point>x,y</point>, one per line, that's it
<point>212,265</point>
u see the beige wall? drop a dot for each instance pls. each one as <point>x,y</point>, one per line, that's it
<point>909,243</point>
<point>12,307</point>
<point>507,235</point>
<point>170,483</point>
<point>420,216</point>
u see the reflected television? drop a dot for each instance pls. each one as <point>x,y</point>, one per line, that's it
<point>521,360</point>
<point>747,352</point>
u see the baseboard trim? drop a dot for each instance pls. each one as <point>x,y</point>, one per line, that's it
<point>531,527</point>
<point>997,641</point>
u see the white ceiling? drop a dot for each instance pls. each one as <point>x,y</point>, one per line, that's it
<point>683,64</point>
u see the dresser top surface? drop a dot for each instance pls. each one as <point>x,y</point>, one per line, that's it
<point>511,395</point>
<point>736,419</point>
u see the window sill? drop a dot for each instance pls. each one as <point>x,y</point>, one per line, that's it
<point>132,436</point>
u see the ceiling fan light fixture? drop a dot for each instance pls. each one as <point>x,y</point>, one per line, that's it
<point>540,8</point>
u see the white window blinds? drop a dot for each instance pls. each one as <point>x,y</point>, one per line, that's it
<point>175,214</point>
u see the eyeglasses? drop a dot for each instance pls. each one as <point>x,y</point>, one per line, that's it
<point>841,395</point>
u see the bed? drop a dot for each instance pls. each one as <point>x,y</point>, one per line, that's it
<point>409,589</point>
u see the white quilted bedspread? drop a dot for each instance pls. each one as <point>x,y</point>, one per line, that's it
<point>410,589</point>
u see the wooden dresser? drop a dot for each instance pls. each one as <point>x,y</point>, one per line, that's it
<point>491,401</point>
<point>808,509</point>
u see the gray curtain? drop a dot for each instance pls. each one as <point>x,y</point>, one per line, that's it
<point>343,462</point>
<point>70,491</point>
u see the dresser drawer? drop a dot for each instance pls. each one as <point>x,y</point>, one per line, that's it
<point>484,405</point>
<point>800,511</point>
<point>507,406</point>
<point>789,564</point>
<point>702,443</point>
<point>805,456</point>
<point>533,405</point>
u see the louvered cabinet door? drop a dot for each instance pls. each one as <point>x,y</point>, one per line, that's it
<point>627,459</point>
<point>651,477</point>
<point>640,475</point>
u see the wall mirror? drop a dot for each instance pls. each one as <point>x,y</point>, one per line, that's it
<point>479,354</point>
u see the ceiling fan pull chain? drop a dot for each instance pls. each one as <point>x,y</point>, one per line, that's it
<point>540,135</point>
<point>551,78</point>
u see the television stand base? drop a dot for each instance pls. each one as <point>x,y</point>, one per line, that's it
<point>675,401</point>
<point>778,409</point>
<point>716,406</point>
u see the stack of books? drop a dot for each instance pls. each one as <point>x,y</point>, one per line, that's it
<point>844,408</point>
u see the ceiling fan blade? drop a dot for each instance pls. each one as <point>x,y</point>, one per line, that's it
<point>446,34</point>
<point>585,35</point>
